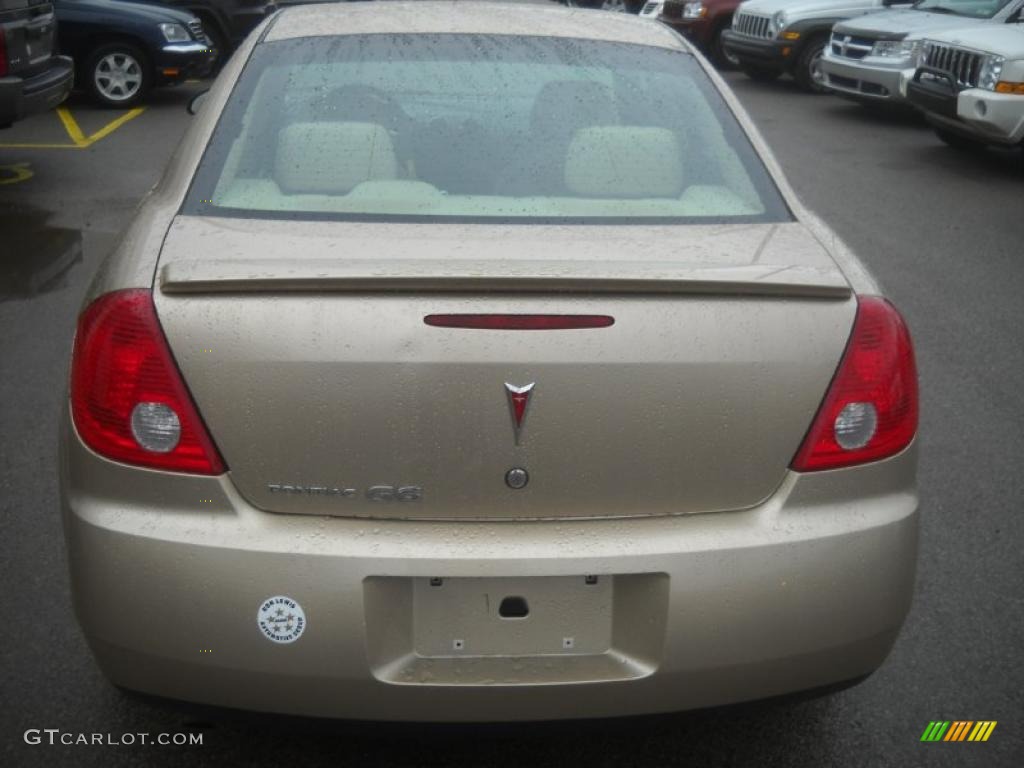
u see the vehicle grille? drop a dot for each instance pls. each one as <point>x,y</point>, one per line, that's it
<point>850,47</point>
<point>648,7</point>
<point>195,27</point>
<point>963,66</point>
<point>752,25</point>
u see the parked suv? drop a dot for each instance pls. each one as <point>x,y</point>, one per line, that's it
<point>700,21</point>
<point>867,55</point>
<point>772,37</point>
<point>32,78</point>
<point>970,85</point>
<point>226,22</point>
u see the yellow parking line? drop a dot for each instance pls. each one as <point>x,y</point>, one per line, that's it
<point>15,174</point>
<point>113,125</point>
<point>74,131</point>
<point>39,146</point>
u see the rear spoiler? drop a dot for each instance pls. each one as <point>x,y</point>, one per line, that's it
<point>458,276</point>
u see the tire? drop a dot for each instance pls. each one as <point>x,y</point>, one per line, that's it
<point>958,142</point>
<point>720,57</point>
<point>117,75</point>
<point>808,73</point>
<point>760,74</point>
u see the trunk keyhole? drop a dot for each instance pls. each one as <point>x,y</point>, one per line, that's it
<point>513,608</point>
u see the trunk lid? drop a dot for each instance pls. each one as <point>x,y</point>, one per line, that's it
<point>305,347</point>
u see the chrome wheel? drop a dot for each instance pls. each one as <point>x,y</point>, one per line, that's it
<point>810,71</point>
<point>118,76</point>
<point>817,72</point>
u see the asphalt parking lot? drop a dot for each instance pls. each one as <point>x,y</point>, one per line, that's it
<point>944,232</point>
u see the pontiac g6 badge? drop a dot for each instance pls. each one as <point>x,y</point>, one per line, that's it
<point>518,400</point>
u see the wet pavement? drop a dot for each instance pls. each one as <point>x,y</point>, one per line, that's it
<point>37,257</point>
<point>943,231</point>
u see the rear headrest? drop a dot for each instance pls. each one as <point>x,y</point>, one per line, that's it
<point>563,106</point>
<point>332,158</point>
<point>624,161</point>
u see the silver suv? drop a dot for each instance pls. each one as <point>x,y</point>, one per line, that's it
<point>970,85</point>
<point>866,55</point>
<point>773,37</point>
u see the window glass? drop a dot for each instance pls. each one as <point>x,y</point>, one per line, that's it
<point>479,127</point>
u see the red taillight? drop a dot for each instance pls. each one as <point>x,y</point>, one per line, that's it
<point>3,53</point>
<point>520,322</point>
<point>870,411</point>
<point>128,399</point>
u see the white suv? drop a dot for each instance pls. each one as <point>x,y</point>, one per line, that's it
<point>866,55</point>
<point>970,85</point>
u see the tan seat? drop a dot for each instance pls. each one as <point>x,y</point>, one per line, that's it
<point>328,158</point>
<point>624,161</point>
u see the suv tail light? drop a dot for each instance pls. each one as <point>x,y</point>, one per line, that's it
<point>870,410</point>
<point>3,53</point>
<point>128,399</point>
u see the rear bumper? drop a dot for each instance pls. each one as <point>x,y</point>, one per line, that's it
<point>769,54</point>
<point>996,118</point>
<point>21,97</point>
<point>807,589</point>
<point>861,80</point>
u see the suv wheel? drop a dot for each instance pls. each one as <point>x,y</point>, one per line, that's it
<point>809,74</point>
<point>117,75</point>
<point>760,74</point>
<point>722,58</point>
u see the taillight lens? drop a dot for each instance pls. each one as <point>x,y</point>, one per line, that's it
<point>870,411</point>
<point>128,399</point>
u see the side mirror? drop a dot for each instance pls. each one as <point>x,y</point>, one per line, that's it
<point>196,102</point>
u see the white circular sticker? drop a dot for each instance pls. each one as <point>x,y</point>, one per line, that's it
<point>281,619</point>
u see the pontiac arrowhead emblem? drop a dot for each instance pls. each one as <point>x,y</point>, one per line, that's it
<point>518,400</point>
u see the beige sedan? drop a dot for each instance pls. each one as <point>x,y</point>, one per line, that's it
<point>476,362</point>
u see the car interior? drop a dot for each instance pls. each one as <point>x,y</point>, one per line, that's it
<point>584,149</point>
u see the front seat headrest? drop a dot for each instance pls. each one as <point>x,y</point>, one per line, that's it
<point>329,158</point>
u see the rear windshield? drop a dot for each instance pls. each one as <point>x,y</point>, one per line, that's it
<point>471,127</point>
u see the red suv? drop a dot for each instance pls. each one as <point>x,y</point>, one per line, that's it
<point>700,21</point>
